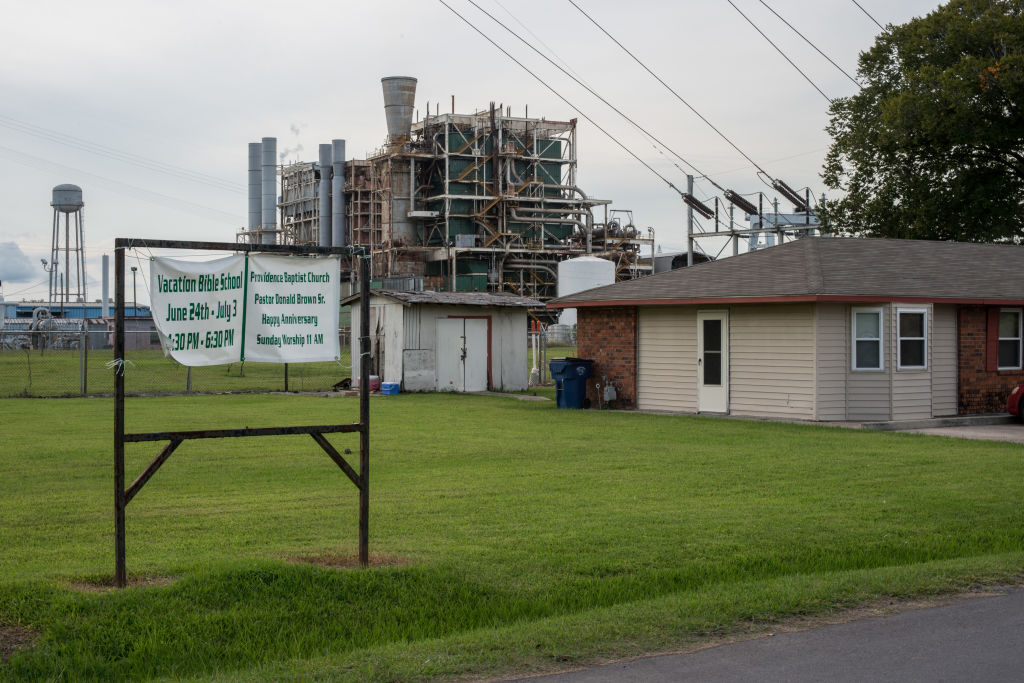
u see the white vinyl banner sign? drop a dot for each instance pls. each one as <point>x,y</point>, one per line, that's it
<point>197,308</point>
<point>259,307</point>
<point>292,309</point>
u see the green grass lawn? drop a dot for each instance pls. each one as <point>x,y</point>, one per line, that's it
<point>520,538</point>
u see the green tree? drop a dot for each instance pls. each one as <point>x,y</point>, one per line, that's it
<point>933,146</point>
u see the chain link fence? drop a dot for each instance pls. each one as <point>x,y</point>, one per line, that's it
<point>80,363</point>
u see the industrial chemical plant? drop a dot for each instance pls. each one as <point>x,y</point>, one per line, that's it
<point>483,201</point>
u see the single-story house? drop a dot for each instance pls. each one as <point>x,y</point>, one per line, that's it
<point>445,341</point>
<point>819,329</point>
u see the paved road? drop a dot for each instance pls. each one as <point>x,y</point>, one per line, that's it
<point>1005,432</point>
<point>981,639</point>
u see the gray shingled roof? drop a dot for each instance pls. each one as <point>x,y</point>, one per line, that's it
<point>452,298</point>
<point>814,268</point>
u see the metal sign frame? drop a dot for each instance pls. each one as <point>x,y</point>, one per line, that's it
<point>123,496</point>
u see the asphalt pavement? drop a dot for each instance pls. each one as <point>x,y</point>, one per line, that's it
<point>980,639</point>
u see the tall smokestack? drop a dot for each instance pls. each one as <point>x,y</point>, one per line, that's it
<point>338,236</point>
<point>269,176</point>
<point>399,98</point>
<point>325,195</point>
<point>255,185</point>
<point>105,304</point>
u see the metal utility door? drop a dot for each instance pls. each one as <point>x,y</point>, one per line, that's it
<point>713,361</point>
<point>461,353</point>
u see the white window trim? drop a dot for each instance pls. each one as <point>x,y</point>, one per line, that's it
<point>881,338</point>
<point>1019,339</point>
<point>899,338</point>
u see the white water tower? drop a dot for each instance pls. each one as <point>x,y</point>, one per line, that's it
<point>578,274</point>
<point>67,251</point>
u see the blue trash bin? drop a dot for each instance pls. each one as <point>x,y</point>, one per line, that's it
<point>570,375</point>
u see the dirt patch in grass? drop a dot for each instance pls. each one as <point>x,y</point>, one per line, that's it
<point>106,584</point>
<point>14,638</point>
<point>338,561</point>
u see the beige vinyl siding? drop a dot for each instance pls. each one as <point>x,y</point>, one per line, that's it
<point>944,361</point>
<point>667,359</point>
<point>832,356</point>
<point>771,354</point>
<point>911,389</point>
<point>869,392</point>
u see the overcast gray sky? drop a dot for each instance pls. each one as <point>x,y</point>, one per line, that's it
<point>188,84</point>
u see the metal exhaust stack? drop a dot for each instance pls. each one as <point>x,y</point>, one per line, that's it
<point>268,224</point>
<point>255,185</point>
<point>325,195</point>
<point>338,235</point>
<point>105,305</point>
<point>399,98</point>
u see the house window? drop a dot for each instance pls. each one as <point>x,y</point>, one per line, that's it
<point>913,342</point>
<point>867,339</point>
<point>1009,339</point>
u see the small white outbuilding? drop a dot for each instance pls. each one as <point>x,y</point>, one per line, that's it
<point>446,341</point>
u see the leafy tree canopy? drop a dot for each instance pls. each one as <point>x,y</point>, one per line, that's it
<point>933,146</point>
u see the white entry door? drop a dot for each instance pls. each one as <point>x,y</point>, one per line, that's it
<point>461,354</point>
<point>713,361</point>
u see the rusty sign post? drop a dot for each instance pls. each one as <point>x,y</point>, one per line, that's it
<point>123,496</point>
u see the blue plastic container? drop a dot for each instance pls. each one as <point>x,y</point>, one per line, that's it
<point>389,388</point>
<point>570,375</point>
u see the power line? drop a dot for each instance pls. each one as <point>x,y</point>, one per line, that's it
<point>124,188</point>
<point>779,50</point>
<point>118,155</point>
<point>559,96</point>
<point>806,40</point>
<point>595,94</point>
<point>869,15</point>
<point>670,89</point>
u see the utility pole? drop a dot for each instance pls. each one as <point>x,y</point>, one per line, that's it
<point>689,223</point>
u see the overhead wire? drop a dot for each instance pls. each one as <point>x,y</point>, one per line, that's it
<point>118,155</point>
<point>869,15</point>
<point>595,94</point>
<point>669,88</point>
<point>562,98</point>
<point>33,161</point>
<point>808,41</point>
<point>779,50</point>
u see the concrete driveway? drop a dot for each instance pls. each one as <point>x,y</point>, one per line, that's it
<point>1002,432</point>
<point>971,640</point>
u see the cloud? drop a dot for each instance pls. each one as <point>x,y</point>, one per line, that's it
<point>14,265</point>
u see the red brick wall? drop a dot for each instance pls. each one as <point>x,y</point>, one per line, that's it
<point>980,390</point>
<point>608,337</point>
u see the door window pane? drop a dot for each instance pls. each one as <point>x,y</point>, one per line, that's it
<point>712,368</point>
<point>712,335</point>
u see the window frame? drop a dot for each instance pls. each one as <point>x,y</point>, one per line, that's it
<point>899,338</point>
<point>1019,339</point>
<point>880,312</point>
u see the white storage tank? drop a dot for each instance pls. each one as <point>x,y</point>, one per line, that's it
<point>578,274</point>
